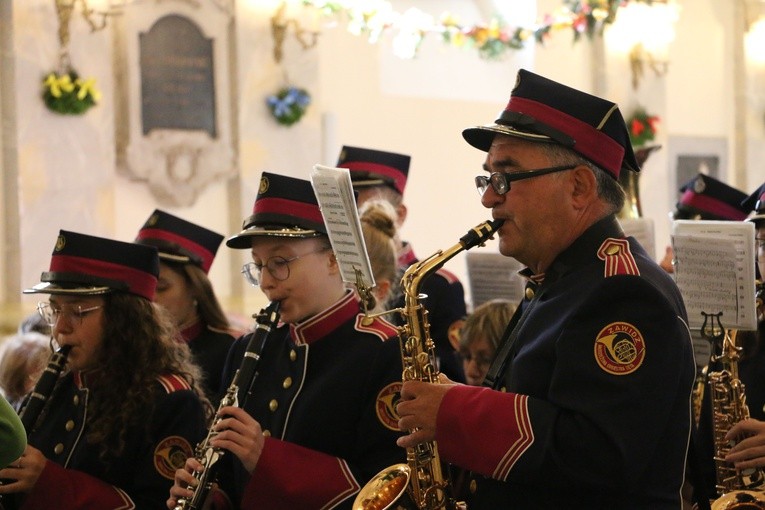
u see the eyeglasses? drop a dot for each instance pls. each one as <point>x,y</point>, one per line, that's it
<point>483,362</point>
<point>278,267</point>
<point>500,182</point>
<point>759,243</point>
<point>74,314</point>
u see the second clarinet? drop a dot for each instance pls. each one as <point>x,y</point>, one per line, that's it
<point>205,453</point>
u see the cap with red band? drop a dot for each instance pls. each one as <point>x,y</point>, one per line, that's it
<point>285,207</point>
<point>87,265</point>
<point>546,111</point>
<point>179,240</point>
<point>370,168</point>
<point>706,198</point>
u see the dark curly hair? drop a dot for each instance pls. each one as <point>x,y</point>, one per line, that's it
<point>140,343</point>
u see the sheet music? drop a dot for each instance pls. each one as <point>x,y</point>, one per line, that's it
<point>642,230</point>
<point>334,192</point>
<point>715,270</point>
<point>494,276</point>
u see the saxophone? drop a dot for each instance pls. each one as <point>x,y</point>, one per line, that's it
<point>236,394</point>
<point>737,489</point>
<point>420,483</point>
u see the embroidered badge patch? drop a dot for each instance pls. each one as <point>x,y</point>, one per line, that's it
<point>171,454</point>
<point>619,348</point>
<point>387,400</point>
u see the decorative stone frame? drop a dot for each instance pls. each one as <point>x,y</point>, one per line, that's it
<point>176,164</point>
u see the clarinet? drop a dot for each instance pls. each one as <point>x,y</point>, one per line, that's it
<point>237,392</point>
<point>38,398</point>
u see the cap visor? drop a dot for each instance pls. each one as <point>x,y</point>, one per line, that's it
<point>53,288</point>
<point>481,137</point>
<point>243,240</point>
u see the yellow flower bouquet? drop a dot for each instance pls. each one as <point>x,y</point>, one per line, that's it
<point>67,93</point>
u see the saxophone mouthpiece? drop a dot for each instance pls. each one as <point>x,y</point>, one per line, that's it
<point>480,233</point>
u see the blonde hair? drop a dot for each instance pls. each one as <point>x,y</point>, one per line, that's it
<point>378,225</point>
<point>489,320</point>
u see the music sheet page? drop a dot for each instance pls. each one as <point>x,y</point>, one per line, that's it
<point>494,276</point>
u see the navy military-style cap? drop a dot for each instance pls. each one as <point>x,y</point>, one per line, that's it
<point>369,167</point>
<point>285,207</point>
<point>543,110</point>
<point>707,198</point>
<point>88,265</point>
<point>755,203</point>
<point>179,240</point>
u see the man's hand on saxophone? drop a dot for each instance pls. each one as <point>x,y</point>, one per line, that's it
<point>418,410</point>
<point>748,452</point>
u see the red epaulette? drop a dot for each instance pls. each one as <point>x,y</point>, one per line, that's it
<point>377,326</point>
<point>173,382</point>
<point>617,257</point>
<point>448,275</point>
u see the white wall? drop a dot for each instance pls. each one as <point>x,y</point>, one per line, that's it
<point>67,164</point>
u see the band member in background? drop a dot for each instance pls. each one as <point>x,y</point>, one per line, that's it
<point>749,451</point>
<point>126,411</point>
<point>186,252</point>
<point>320,420</point>
<point>587,402</point>
<point>705,198</point>
<point>378,174</point>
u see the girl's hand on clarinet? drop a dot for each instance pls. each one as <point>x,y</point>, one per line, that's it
<point>240,434</point>
<point>184,481</point>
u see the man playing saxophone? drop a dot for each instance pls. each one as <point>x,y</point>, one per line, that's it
<point>587,402</point>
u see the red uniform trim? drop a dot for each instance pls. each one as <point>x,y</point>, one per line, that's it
<point>448,275</point>
<point>712,205</point>
<point>309,212</point>
<point>140,282</point>
<point>618,258</point>
<point>184,242</point>
<point>484,430</point>
<point>398,178</point>
<point>173,382</point>
<point>289,476</point>
<point>379,327</point>
<point>67,489</point>
<point>324,323</point>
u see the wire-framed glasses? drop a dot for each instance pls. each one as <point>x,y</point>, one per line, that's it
<point>500,182</point>
<point>277,266</point>
<point>73,313</point>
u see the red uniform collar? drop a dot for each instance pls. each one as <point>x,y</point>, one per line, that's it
<point>407,256</point>
<point>190,333</point>
<point>324,323</point>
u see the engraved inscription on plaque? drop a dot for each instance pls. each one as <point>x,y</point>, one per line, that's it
<point>177,79</point>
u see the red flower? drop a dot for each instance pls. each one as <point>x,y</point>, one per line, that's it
<point>654,123</point>
<point>636,127</point>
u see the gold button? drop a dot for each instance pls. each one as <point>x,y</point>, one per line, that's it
<point>287,383</point>
<point>529,293</point>
<point>503,389</point>
<point>267,433</point>
<point>58,449</point>
<point>69,425</point>
<point>273,405</point>
<point>293,355</point>
<point>473,486</point>
<point>76,400</point>
<point>613,249</point>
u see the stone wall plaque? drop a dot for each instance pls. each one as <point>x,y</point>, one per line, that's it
<point>177,77</point>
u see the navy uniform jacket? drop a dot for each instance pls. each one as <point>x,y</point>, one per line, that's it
<point>445,303</point>
<point>593,408</point>
<point>325,395</point>
<point>75,478</point>
<point>210,348</point>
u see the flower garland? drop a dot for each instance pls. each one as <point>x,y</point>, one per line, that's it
<point>492,40</point>
<point>288,105</point>
<point>642,127</point>
<point>67,93</point>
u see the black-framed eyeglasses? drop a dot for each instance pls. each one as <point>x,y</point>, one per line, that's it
<point>74,314</point>
<point>278,267</point>
<point>500,182</point>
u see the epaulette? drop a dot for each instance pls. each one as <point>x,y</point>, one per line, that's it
<point>617,257</point>
<point>173,382</point>
<point>448,275</point>
<point>377,326</point>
